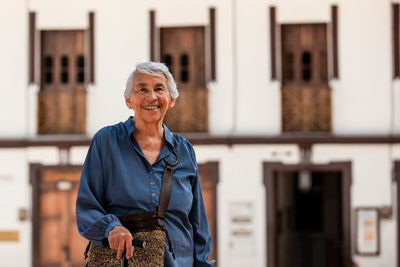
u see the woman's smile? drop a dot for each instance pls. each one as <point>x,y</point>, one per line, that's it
<point>151,107</point>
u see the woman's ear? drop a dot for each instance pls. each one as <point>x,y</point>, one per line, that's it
<point>128,103</point>
<point>171,102</point>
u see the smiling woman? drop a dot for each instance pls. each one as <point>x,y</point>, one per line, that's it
<point>140,171</point>
<point>150,99</point>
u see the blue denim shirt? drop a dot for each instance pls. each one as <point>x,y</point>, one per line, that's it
<point>118,180</point>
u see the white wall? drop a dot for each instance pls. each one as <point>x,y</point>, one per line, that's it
<point>13,68</point>
<point>258,98</point>
<point>15,194</point>
<point>361,100</point>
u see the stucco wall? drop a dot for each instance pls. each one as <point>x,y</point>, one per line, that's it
<point>13,68</point>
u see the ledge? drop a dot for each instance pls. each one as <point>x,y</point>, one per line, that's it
<point>67,141</point>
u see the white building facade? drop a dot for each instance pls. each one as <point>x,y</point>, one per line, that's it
<point>293,108</point>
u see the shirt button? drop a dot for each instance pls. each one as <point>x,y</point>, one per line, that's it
<point>154,194</point>
<point>151,172</point>
<point>152,183</point>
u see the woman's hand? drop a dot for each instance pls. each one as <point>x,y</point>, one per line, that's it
<point>120,238</point>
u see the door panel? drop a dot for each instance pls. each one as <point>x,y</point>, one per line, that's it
<point>58,239</point>
<point>62,96</point>
<point>306,95</point>
<point>183,51</point>
<point>208,173</point>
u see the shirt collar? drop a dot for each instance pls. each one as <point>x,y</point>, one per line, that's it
<point>129,125</point>
<point>130,128</point>
<point>168,136</point>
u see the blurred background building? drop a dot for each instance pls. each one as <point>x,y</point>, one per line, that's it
<point>293,108</point>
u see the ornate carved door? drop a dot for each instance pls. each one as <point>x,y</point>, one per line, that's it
<point>306,96</point>
<point>208,173</point>
<point>183,51</point>
<point>56,238</point>
<point>62,96</point>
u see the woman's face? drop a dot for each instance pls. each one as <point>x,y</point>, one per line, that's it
<point>150,97</point>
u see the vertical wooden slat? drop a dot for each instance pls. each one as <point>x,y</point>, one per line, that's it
<point>34,176</point>
<point>32,29</point>
<point>152,33</point>
<point>346,209</point>
<point>334,15</point>
<point>212,45</point>
<point>397,180</point>
<point>396,41</point>
<point>269,183</point>
<point>272,25</point>
<point>91,47</point>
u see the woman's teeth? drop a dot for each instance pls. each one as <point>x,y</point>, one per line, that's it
<point>151,107</point>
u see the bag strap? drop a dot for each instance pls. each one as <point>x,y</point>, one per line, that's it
<point>166,185</point>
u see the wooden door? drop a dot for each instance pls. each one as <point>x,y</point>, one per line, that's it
<point>208,173</point>
<point>183,51</point>
<point>306,96</point>
<point>62,96</point>
<point>56,238</point>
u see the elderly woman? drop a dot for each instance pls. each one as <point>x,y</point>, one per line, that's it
<point>124,170</point>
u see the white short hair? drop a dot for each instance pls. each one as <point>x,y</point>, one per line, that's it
<point>152,68</point>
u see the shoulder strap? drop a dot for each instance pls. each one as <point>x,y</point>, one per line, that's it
<point>166,185</point>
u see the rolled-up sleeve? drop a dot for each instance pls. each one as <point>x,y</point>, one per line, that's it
<point>201,230</point>
<point>92,219</point>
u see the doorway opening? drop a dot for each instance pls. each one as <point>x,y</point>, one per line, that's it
<point>308,215</point>
<point>308,219</point>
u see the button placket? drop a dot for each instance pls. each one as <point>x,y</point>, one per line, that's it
<point>153,188</point>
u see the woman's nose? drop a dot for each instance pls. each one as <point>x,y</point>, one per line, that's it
<point>152,94</point>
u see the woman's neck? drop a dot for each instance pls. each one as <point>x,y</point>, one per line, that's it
<point>145,131</point>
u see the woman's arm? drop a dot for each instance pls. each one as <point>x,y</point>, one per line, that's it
<point>198,219</point>
<point>93,221</point>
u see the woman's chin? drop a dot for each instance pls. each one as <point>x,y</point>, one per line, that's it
<point>151,119</point>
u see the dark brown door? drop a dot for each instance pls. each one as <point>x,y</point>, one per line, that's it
<point>208,173</point>
<point>56,240</point>
<point>62,96</point>
<point>306,96</point>
<point>183,51</point>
